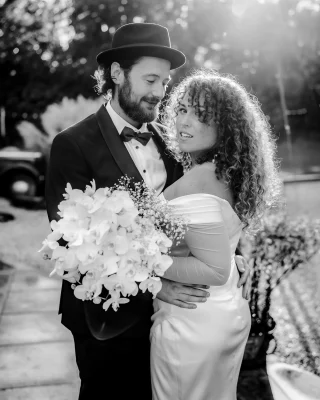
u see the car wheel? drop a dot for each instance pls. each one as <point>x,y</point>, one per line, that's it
<point>22,185</point>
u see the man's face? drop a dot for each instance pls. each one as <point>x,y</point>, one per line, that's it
<point>142,90</point>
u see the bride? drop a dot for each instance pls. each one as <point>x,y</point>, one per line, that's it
<point>225,143</point>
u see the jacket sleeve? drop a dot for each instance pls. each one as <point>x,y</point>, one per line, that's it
<point>66,165</point>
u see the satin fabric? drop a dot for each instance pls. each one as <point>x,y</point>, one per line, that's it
<point>196,354</point>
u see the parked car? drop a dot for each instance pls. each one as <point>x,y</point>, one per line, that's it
<point>22,173</point>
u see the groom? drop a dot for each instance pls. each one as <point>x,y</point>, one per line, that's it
<point>112,348</point>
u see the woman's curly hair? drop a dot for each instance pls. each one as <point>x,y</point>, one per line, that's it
<point>244,152</point>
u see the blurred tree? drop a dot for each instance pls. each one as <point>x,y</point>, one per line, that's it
<point>273,36</point>
<point>49,48</point>
<point>28,79</point>
<point>95,22</point>
<point>249,38</point>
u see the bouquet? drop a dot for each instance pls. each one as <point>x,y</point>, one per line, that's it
<point>117,238</point>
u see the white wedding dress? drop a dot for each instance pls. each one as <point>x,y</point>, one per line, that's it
<point>196,354</point>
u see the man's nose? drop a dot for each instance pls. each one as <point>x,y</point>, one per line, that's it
<point>158,91</point>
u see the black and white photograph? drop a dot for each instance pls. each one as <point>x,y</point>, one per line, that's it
<point>159,199</point>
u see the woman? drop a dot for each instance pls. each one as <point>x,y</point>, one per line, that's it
<point>225,143</point>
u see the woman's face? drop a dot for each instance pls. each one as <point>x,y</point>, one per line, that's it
<point>194,137</point>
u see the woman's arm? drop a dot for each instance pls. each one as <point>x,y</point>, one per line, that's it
<point>210,261</point>
<point>208,242</point>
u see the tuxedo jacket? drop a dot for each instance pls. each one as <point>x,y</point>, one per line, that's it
<point>93,149</point>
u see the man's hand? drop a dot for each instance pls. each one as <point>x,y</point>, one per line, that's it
<point>245,276</point>
<point>182,295</point>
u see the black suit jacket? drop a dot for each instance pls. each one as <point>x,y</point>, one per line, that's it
<point>92,149</point>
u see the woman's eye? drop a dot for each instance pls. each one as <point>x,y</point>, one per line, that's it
<point>150,81</point>
<point>182,110</point>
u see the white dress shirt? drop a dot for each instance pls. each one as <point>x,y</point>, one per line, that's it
<point>146,158</point>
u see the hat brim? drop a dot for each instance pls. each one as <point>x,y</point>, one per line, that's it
<point>175,57</point>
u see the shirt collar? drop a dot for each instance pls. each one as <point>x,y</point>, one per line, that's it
<point>120,123</point>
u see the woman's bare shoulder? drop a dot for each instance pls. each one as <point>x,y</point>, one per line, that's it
<point>202,179</point>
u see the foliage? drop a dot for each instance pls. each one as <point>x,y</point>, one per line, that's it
<point>60,116</point>
<point>32,138</point>
<point>28,78</point>
<point>282,245</point>
<point>49,47</point>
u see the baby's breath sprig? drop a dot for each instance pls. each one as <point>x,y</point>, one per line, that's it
<point>152,207</point>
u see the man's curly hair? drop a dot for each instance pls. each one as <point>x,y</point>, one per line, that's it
<point>104,84</point>
<point>244,152</point>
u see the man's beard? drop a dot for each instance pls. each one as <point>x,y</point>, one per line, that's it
<point>133,108</point>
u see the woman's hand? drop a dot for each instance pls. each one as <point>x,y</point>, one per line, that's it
<point>245,276</point>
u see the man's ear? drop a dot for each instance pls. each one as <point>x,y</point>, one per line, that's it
<point>116,73</point>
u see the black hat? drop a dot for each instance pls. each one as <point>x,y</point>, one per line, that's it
<point>138,40</point>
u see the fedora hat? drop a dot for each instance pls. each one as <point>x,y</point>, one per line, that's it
<point>141,39</point>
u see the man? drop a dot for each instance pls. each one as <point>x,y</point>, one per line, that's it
<point>112,348</point>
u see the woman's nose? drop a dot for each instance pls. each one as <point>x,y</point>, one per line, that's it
<point>184,120</point>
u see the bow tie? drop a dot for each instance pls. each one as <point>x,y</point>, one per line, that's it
<point>143,137</point>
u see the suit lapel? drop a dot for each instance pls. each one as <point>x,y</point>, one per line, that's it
<point>116,145</point>
<point>164,153</point>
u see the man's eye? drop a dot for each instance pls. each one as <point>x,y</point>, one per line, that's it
<point>150,81</point>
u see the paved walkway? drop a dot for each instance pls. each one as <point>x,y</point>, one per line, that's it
<point>36,352</point>
<point>37,359</point>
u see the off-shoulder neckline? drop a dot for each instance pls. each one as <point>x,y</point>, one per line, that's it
<point>206,195</point>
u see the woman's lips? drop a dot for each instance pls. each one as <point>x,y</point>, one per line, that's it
<point>185,135</point>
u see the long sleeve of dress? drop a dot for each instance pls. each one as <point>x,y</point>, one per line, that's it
<point>207,240</point>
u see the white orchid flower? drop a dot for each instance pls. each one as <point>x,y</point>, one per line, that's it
<point>163,242</point>
<point>51,242</point>
<point>121,243</point>
<point>100,216</point>
<point>113,204</point>
<point>100,230</point>
<point>101,194</point>
<point>159,263</point>
<point>88,290</point>
<point>68,211</point>
<point>73,195</point>
<point>99,198</point>
<point>141,274</point>
<point>110,263</point>
<point>126,217</point>
<point>65,260</point>
<point>152,284</point>
<point>54,225</point>
<point>72,276</point>
<point>87,252</point>
<point>151,248</point>
<point>120,284</point>
<point>90,190</point>
<point>115,302</point>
